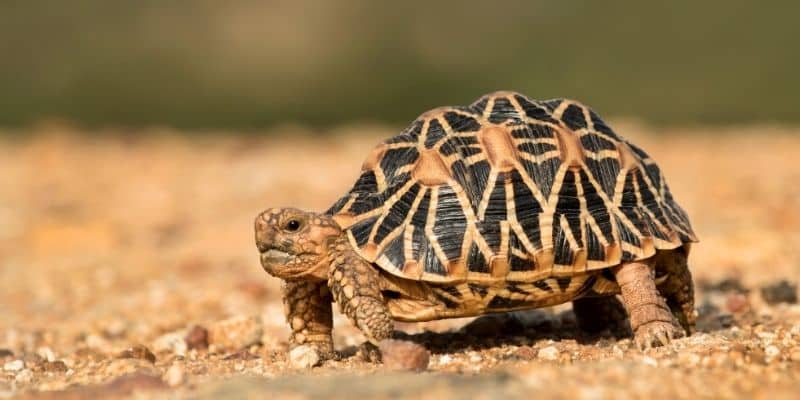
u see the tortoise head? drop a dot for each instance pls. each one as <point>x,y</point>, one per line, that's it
<point>294,244</point>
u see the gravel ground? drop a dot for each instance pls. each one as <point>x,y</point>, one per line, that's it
<point>127,268</point>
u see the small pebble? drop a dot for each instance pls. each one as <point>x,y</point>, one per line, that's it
<point>138,352</point>
<point>794,354</point>
<point>5,353</point>
<point>549,353</point>
<point>197,338</point>
<point>772,351</point>
<point>24,376</point>
<point>445,359</point>
<point>174,375</point>
<point>404,355</point>
<point>54,366</point>
<point>235,333</point>
<point>302,357</point>
<point>647,360</point>
<point>525,353</point>
<point>736,302</point>
<point>171,343</point>
<point>12,366</point>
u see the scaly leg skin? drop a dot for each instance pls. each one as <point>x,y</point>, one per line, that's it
<point>309,313</point>
<point>594,314</point>
<point>650,318</point>
<point>678,288</point>
<point>355,287</point>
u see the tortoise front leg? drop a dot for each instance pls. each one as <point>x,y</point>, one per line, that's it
<point>310,315</point>
<point>356,288</point>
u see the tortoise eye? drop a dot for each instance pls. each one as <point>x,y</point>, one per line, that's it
<point>292,225</point>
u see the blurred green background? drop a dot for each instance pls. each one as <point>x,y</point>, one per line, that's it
<point>251,64</point>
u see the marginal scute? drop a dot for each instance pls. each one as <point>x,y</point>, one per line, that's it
<point>374,158</point>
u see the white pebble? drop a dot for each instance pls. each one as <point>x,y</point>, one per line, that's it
<point>302,357</point>
<point>647,360</point>
<point>14,366</point>
<point>772,351</point>
<point>173,342</point>
<point>549,353</point>
<point>24,376</point>
<point>445,359</point>
<point>174,375</point>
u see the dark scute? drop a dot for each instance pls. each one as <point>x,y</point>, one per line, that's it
<point>532,131</point>
<point>605,171</point>
<point>517,263</point>
<point>601,126</point>
<point>396,158</point>
<point>528,210</point>
<point>543,173</point>
<point>505,303</point>
<point>479,178</point>
<point>432,263</point>
<point>573,117</point>
<point>366,183</point>
<point>415,129</point>
<point>397,213</point>
<point>435,133</point>
<point>445,300</point>
<point>563,283</point>
<point>533,111</point>
<point>627,256</point>
<point>638,151</point>
<point>461,123</point>
<point>569,206</point>
<point>595,143</point>
<point>480,105</point>
<point>366,202</point>
<point>595,250</point>
<point>627,236</point>
<point>336,207</point>
<point>450,224</point>
<point>542,284</point>
<point>419,243</point>
<point>394,252</point>
<point>459,144</point>
<point>563,252</point>
<point>451,290</point>
<point>476,262</point>
<point>552,104</point>
<point>536,149</point>
<point>653,228</point>
<point>502,111</point>
<point>513,288</point>
<point>596,206</point>
<point>649,199</point>
<point>496,212</point>
<point>629,192</point>
<point>475,288</point>
<point>361,230</point>
<point>654,174</point>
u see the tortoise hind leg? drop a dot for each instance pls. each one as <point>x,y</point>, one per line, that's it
<point>651,319</point>
<point>678,287</point>
<point>597,313</point>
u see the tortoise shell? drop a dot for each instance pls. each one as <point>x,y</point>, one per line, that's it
<point>509,188</point>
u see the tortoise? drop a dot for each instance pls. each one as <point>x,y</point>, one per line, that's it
<point>506,204</point>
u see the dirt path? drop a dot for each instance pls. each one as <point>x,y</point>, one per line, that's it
<point>122,260</point>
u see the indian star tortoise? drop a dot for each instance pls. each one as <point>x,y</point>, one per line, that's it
<point>506,204</point>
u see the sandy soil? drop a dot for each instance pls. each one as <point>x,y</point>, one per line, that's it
<point>122,257</point>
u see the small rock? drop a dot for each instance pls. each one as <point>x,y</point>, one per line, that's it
<point>302,357</point>
<point>525,353</point>
<point>173,342</point>
<point>138,352</point>
<point>549,353</point>
<point>13,366</point>
<point>772,351</point>
<point>24,376</point>
<point>241,355</point>
<point>725,285</point>
<point>197,338</point>
<point>54,366</point>
<point>780,292</point>
<point>174,375</point>
<point>736,302</point>
<point>647,360</point>
<point>404,355</point>
<point>235,333</point>
<point>445,359</point>
<point>6,353</point>
<point>32,360</point>
<point>794,354</point>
